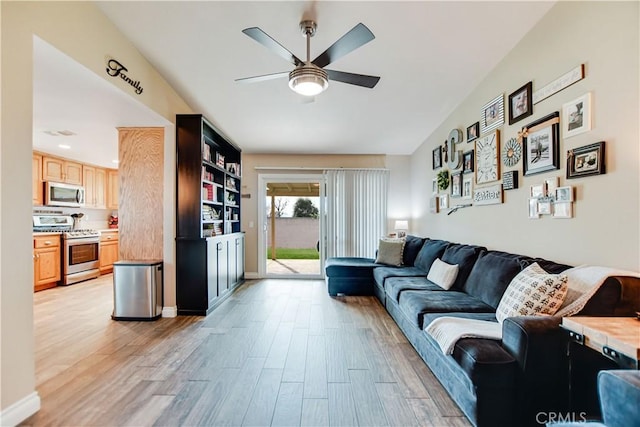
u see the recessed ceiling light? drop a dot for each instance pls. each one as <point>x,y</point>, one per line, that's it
<point>64,146</point>
<point>66,132</point>
<point>50,132</point>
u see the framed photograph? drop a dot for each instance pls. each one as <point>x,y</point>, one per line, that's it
<point>492,114</point>
<point>521,103</point>
<point>585,161</point>
<point>541,145</point>
<point>550,185</point>
<point>563,210</point>
<point>576,116</point>
<point>473,131</point>
<point>444,201</point>
<point>456,184</point>
<point>434,204</point>
<point>544,207</point>
<point>536,191</point>
<point>437,157</point>
<point>488,158</point>
<point>467,162</point>
<point>533,209</point>
<point>564,194</point>
<point>467,186</point>
<point>434,186</point>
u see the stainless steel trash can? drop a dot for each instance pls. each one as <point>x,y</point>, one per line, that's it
<point>137,290</point>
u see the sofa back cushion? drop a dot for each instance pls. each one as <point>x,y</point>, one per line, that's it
<point>464,256</point>
<point>431,250</point>
<point>412,246</point>
<point>492,273</point>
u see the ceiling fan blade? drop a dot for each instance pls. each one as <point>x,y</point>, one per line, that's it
<point>353,79</point>
<point>262,78</point>
<point>267,41</point>
<point>356,37</point>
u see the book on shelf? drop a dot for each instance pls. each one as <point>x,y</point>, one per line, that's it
<point>206,151</point>
<point>219,160</point>
<point>207,175</point>
<point>233,168</point>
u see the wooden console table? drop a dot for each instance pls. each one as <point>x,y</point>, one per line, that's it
<point>617,338</point>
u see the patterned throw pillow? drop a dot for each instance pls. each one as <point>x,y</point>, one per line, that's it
<point>442,274</point>
<point>532,292</point>
<point>390,252</point>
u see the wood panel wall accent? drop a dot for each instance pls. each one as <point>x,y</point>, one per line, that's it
<point>140,178</point>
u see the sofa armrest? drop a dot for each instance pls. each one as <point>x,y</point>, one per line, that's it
<point>539,346</point>
<point>619,393</point>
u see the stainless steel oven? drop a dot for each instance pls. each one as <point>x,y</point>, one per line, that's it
<point>81,259</point>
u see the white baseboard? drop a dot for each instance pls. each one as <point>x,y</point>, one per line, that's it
<point>169,311</point>
<point>21,410</point>
<point>251,275</point>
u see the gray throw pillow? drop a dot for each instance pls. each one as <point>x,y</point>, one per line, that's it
<point>390,252</point>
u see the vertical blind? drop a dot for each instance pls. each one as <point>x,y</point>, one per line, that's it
<point>356,211</point>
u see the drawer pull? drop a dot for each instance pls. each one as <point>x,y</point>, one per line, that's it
<point>47,242</point>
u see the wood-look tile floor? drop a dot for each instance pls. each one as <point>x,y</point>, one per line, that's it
<point>277,352</point>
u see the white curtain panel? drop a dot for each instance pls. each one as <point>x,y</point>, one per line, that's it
<point>356,214</point>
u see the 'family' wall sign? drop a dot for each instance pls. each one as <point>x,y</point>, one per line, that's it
<point>116,69</point>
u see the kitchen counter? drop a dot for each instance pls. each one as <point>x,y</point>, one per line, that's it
<point>46,233</point>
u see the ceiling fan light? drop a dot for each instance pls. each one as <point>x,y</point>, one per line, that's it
<point>308,80</point>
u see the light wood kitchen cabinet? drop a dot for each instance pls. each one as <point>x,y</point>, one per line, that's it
<point>46,261</point>
<point>36,180</point>
<point>112,189</point>
<point>109,243</point>
<point>60,170</point>
<point>95,186</point>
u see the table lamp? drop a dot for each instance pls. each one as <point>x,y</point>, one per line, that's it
<point>401,227</point>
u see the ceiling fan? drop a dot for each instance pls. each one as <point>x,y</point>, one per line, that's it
<point>309,78</point>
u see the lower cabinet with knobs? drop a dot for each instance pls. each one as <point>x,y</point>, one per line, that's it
<point>109,249</point>
<point>46,262</point>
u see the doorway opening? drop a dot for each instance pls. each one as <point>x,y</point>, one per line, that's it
<point>291,244</point>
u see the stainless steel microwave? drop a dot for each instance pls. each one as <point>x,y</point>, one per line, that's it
<point>60,194</point>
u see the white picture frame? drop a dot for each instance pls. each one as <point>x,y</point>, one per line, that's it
<point>576,116</point>
<point>533,209</point>
<point>467,186</point>
<point>545,207</point>
<point>537,190</point>
<point>443,201</point>
<point>564,194</point>
<point>563,210</point>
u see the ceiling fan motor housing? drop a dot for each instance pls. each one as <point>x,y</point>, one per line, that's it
<point>308,79</point>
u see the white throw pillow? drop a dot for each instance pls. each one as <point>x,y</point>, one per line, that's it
<point>532,292</point>
<point>390,252</point>
<point>443,274</point>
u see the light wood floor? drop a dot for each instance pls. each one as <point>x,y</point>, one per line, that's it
<point>278,352</point>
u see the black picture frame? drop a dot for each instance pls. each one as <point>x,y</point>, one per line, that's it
<point>586,161</point>
<point>436,157</point>
<point>541,145</point>
<point>456,184</point>
<point>467,162</point>
<point>521,103</point>
<point>473,132</point>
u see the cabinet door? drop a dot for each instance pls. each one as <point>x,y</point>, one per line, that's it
<point>48,262</point>
<point>223,255</point>
<point>36,180</point>
<point>240,258</point>
<point>89,183</point>
<point>112,189</point>
<point>108,256</point>
<point>100,189</point>
<point>73,173</point>
<point>52,169</point>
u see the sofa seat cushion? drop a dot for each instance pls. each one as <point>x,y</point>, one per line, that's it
<point>431,250</point>
<point>492,273</point>
<point>350,267</point>
<point>414,304</point>
<point>381,274</point>
<point>486,362</point>
<point>395,285</point>
<point>412,246</point>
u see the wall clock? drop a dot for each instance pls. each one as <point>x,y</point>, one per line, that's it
<point>511,152</point>
<point>487,158</point>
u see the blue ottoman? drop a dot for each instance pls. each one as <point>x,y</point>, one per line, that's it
<point>350,276</point>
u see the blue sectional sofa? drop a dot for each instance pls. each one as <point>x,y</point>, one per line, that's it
<point>495,383</point>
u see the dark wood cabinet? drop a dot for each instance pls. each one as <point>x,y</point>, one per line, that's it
<point>208,207</point>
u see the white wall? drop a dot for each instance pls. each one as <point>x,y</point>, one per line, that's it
<point>605,228</point>
<point>81,31</point>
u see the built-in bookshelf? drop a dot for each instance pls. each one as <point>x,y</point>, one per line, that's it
<point>209,240</point>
